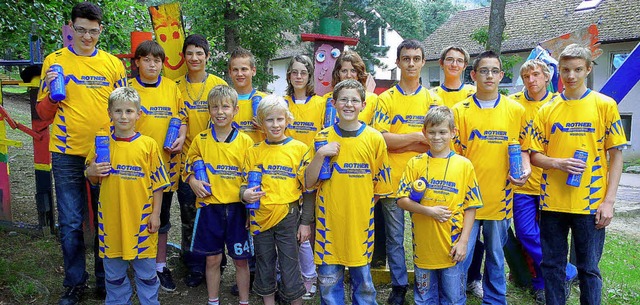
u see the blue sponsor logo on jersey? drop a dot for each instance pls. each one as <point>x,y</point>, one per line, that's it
<point>279,172</point>
<point>128,172</point>
<point>409,119</point>
<point>573,127</point>
<point>196,105</point>
<point>353,168</point>
<point>88,80</point>
<point>442,186</point>
<point>492,136</point>
<point>302,126</point>
<point>157,111</point>
<point>225,171</point>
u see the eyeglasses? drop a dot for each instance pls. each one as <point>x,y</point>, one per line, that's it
<point>302,73</point>
<point>343,101</point>
<point>450,60</point>
<point>485,71</point>
<point>82,31</point>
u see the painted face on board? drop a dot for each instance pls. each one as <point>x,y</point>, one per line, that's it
<point>325,60</point>
<point>167,25</point>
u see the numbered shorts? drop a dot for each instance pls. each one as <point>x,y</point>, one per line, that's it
<point>219,224</point>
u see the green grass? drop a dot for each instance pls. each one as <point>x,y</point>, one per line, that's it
<point>14,89</point>
<point>626,164</point>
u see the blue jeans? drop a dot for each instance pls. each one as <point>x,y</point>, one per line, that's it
<point>187,202</point>
<point>473,274</point>
<point>440,286</point>
<point>119,287</point>
<point>525,221</point>
<point>494,281</point>
<point>331,279</point>
<point>589,241</point>
<point>71,199</point>
<point>394,226</point>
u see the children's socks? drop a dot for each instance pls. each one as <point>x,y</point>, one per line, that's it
<point>160,266</point>
<point>215,301</point>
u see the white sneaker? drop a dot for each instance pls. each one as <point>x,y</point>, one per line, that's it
<point>475,288</point>
<point>311,293</point>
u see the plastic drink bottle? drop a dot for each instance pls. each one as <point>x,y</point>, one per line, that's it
<point>418,188</point>
<point>515,160</point>
<point>172,132</point>
<point>255,179</point>
<point>58,92</point>
<point>574,180</point>
<point>200,172</point>
<point>326,169</point>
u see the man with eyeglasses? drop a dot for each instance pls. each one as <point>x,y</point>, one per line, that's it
<point>453,61</point>
<point>399,117</point>
<point>487,123</point>
<point>90,76</point>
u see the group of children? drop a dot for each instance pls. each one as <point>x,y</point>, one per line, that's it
<point>292,195</point>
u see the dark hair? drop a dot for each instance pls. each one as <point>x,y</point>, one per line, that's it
<point>86,10</point>
<point>485,55</point>
<point>196,40</point>
<point>357,63</point>
<point>242,52</point>
<point>410,44</point>
<point>349,84</point>
<point>149,47</point>
<point>308,64</point>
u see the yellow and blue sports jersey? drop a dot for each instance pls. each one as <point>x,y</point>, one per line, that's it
<point>451,182</point>
<point>243,121</point>
<point>531,107</point>
<point>451,97</point>
<point>224,159</point>
<point>345,203</point>
<point>89,82</point>
<point>308,118</point>
<point>563,126</point>
<point>366,115</point>
<point>400,113</point>
<point>483,137</point>
<point>126,198</point>
<point>195,96</point>
<point>282,166</point>
<point>160,102</point>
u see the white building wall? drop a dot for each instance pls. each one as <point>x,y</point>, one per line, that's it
<point>393,40</point>
<point>279,68</point>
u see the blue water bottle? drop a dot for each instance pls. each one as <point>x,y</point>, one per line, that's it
<point>172,132</point>
<point>418,188</point>
<point>574,180</point>
<point>515,160</point>
<point>255,102</point>
<point>255,179</point>
<point>102,146</point>
<point>200,172</point>
<point>330,114</point>
<point>57,91</point>
<point>326,169</point>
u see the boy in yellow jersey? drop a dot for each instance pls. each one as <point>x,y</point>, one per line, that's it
<point>349,65</point>
<point>160,101</point>
<point>130,201</point>
<point>221,217</point>
<point>360,173</point>
<point>453,61</point>
<point>195,87</point>
<point>90,75</point>
<point>578,119</point>
<point>526,199</point>
<point>486,123</point>
<point>399,116</point>
<point>242,69</point>
<point>308,109</point>
<point>274,224</point>
<point>443,215</point>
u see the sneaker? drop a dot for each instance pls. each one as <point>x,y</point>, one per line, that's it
<point>475,288</point>
<point>397,295</point>
<point>166,281</point>
<point>538,296</point>
<point>72,295</point>
<point>194,279</point>
<point>311,293</point>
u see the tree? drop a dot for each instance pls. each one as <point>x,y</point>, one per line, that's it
<point>434,13</point>
<point>257,25</point>
<point>496,25</point>
<point>404,16</point>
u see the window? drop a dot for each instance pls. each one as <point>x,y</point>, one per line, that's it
<point>617,59</point>
<point>626,125</point>
<point>434,76</point>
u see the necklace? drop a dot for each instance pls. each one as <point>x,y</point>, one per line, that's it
<point>201,89</point>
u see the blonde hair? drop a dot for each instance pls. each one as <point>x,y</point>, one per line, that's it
<point>575,50</point>
<point>531,64</point>
<point>124,94</point>
<point>272,103</point>
<point>221,93</point>
<point>438,115</point>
